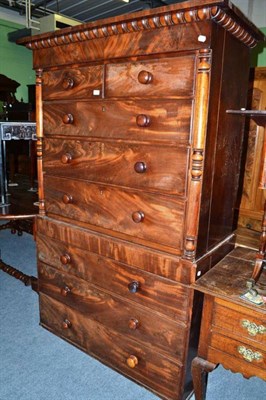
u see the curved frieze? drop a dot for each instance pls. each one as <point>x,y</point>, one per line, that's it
<point>169,18</point>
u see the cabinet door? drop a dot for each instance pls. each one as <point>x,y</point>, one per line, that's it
<point>252,200</point>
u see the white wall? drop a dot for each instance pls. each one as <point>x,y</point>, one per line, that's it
<point>255,10</point>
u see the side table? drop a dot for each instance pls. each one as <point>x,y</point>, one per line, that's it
<point>233,330</point>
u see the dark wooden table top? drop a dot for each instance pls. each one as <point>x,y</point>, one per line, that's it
<point>227,280</point>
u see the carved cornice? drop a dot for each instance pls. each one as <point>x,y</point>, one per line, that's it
<point>144,22</point>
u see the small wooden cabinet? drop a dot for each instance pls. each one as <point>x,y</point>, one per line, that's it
<point>233,330</point>
<point>252,200</point>
<point>138,167</point>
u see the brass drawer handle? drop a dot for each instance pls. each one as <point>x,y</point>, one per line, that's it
<point>66,324</point>
<point>68,83</point>
<point>132,361</point>
<point>145,77</point>
<point>65,259</point>
<point>140,167</point>
<point>252,328</point>
<point>248,354</point>
<point>68,119</point>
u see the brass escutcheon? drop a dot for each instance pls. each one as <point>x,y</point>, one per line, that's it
<point>248,354</point>
<point>252,328</point>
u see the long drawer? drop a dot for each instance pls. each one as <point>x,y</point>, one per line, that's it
<point>154,218</point>
<point>245,353</point>
<point>139,362</point>
<point>163,295</point>
<point>74,83</point>
<point>143,258</point>
<point>138,120</point>
<point>240,322</point>
<point>147,167</point>
<point>112,311</point>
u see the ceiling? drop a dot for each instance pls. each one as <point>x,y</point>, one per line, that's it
<point>82,10</point>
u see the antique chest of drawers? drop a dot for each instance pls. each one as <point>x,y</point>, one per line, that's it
<point>138,168</point>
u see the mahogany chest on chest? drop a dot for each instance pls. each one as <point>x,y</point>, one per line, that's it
<point>138,169</point>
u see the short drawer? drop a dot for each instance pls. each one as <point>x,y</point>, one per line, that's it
<point>241,323</point>
<point>169,77</point>
<point>243,351</point>
<point>113,312</point>
<point>143,364</point>
<point>163,295</point>
<point>74,83</point>
<point>160,169</point>
<point>138,120</point>
<point>151,217</point>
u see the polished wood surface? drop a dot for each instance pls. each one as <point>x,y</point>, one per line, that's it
<point>138,172</point>
<point>233,330</point>
<point>163,295</point>
<point>126,164</point>
<point>252,199</point>
<point>153,369</point>
<point>163,121</point>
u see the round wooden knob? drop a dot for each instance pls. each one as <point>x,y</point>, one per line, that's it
<point>68,83</point>
<point>132,361</point>
<point>140,167</point>
<point>66,324</point>
<point>133,286</point>
<point>145,77</point>
<point>65,290</point>
<point>65,259</point>
<point>143,120</point>
<point>67,199</point>
<point>138,216</point>
<point>133,324</point>
<point>68,119</point>
<point>66,158</point>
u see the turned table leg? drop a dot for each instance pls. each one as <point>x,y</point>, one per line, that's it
<point>200,369</point>
<point>15,273</point>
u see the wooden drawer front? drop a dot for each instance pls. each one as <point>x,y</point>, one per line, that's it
<point>241,324</point>
<point>113,312</point>
<point>139,120</point>
<point>171,77</point>
<point>244,350</point>
<point>143,258</point>
<point>163,295</point>
<point>151,217</point>
<point>156,371</point>
<point>76,83</point>
<point>142,167</point>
